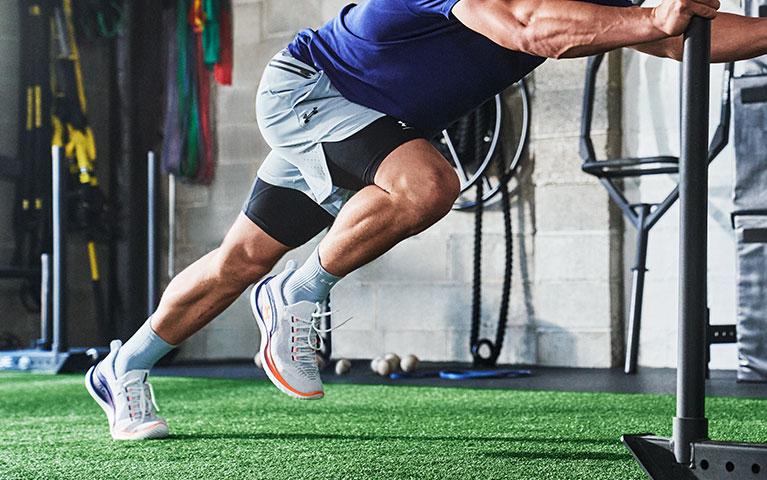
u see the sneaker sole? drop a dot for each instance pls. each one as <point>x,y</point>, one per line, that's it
<point>147,433</point>
<point>154,431</point>
<point>266,362</point>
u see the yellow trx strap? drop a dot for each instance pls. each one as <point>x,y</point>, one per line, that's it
<point>93,262</point>
<point>75,55</point>
<point>79,144</point>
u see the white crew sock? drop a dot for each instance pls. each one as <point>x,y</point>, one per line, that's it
<point>141,351</point>
<point>310,282</point>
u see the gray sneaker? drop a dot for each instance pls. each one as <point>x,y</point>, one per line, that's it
<point>289,338</point>
<point>128,401</point>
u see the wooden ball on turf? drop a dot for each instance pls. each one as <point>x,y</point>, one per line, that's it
<point>383,368</point>
<point>393,360</point>
<point>343,366</point>
<point>374,363</point>
<point>409,363</point>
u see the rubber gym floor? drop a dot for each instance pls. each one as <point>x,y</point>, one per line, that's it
<point>242,428</point>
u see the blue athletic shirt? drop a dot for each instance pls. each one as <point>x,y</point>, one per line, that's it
<point>413,60</point>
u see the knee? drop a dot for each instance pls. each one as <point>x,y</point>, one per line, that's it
<point>430,197</point>
<point>239,266</point>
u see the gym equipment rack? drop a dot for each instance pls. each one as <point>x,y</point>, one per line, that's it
<point>644,216</point>
<point>689,453</point>
<point>52,353</point>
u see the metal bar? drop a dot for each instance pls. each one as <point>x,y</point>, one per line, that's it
<point>61,38</point>
<point>720,140</point>
<point>171,226</point>
<point>151,270</point>
<point>690,424</point>
<point>621,201</point>
<point>587,110</point>
<point>59,172</point>
<point>663,207</point>
<point>637,292</point>
<point>457,161</point>
<point>722,134</point>
<point>46,324</point>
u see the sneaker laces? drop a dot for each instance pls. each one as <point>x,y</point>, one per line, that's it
<point>140,396</point>
<point>309,335</point>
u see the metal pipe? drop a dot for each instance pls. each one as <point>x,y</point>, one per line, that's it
<point>690,424</point>
<point>171,226</point>
<point>151,270</point>
<point>58,174</point>
<point>46,326</point>
<point>621,200</point>
<point>637,291</point>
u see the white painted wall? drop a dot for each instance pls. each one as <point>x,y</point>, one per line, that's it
<point>650,127</point>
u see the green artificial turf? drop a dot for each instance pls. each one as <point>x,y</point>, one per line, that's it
<point>50,428</point>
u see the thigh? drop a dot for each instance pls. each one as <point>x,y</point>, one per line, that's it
<point>354,161</point>
<point>287,215</point>
<point>417,167</point>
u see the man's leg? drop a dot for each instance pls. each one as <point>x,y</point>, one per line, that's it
<point>414,187</point>
<point>274,220</point>
<point>208,286</point>
<point>201,292</point>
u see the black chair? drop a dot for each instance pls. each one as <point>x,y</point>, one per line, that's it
<point>643,216</point>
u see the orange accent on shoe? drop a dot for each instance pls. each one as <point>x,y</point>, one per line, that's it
<point>273,369</point>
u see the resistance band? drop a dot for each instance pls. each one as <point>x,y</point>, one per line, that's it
<point>199,40</point>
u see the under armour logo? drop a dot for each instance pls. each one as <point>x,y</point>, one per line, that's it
<point>404,125</point>
<point>308,116</point>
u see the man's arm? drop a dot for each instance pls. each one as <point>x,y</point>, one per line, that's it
<point>733,37</point>
<point>568,28</point>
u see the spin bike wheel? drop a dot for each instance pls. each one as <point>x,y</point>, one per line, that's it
<point>474,141</point>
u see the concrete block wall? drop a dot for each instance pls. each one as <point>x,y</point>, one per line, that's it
<point>417,297</point>
<point>578,235</point>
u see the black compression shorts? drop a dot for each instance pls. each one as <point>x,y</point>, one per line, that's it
<point>292,217</point>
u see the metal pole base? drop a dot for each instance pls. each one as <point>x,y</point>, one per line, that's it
<point>637,289</point>
<point>711,460</point>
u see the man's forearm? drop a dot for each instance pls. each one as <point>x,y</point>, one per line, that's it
<point>587,29</point>
<point>558,28</point>
<point>733,37</point>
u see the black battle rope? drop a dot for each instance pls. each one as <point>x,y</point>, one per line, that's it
<point>476,286</point>
<point>476,343</point>
<point>503,315</point>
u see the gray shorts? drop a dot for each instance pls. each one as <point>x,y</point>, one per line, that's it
<point>297,110</point>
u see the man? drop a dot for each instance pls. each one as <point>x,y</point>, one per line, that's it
<point>347,110</point>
